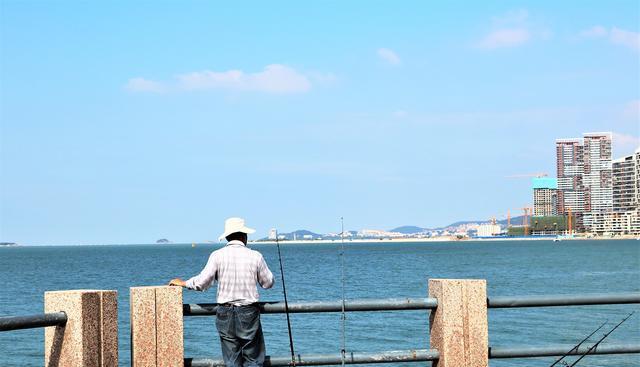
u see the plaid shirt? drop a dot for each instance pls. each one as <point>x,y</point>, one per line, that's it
<point>237,269</point>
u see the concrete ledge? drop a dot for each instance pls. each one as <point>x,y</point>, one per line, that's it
<point>458,328</point>
<point>90,337</point>
<point>156,326</point>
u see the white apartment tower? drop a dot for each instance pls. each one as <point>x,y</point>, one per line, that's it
<point>626,183</point>
<point>584,172</point>
<point>625,218</point>
<point>598,186</point>
<point>569,169</point>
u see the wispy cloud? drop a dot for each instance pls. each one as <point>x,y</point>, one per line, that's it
<point>321,78</point>
<point>595,32</point>
<point>505,38</point>
<point>274,79</point>
<point>625,38</point>
<point>614,35</point>
<point>144,85</point>
<point>510,30</point>
<point>389,56</point>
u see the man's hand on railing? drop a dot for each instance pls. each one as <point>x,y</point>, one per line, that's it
<point>178,282</point>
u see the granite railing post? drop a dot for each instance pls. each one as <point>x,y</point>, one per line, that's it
<point>90,336</point>
<point>156,326</point>
<point>458,328</point>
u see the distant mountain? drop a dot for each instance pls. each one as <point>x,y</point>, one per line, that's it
<point>463,222</point>
<point>408,229</point>
<point>515,221</point>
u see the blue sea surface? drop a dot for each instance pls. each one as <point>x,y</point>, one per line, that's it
<point>373,270</point>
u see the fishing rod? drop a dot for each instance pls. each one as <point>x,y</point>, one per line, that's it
<point>344,316</point>
<point>286,305</point>
<point>601,339</point>
<point>575,348</point>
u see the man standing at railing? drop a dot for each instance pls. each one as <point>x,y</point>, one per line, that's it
<point>237,270</point>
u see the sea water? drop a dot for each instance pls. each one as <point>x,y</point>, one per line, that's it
<point>372,270</point>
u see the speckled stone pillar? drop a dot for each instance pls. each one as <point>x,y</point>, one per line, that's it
<point>90,337</point>
<point>458,327</point>
<point>156,326</point>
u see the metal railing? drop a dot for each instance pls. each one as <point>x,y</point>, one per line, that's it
<point>8,323</point>
<point>390,304</point>
<point>421,355</point>
<point>398,304</point>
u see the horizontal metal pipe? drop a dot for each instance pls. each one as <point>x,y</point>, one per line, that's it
<point>9,323</point>
<point>563,300</point>
<point>559,350</point>
<point>421,355</point>
<point>397,356</point>
<point>390,304</point>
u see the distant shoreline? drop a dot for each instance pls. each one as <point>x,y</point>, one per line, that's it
<point>346,241</point>
<point>432,240</point>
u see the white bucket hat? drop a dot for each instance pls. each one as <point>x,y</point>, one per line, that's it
<point>233,225</point>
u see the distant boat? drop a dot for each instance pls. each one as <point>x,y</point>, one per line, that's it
<point>193,245</point>
<point>556,239</point>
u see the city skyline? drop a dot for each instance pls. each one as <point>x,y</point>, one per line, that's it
<point>293,116</point>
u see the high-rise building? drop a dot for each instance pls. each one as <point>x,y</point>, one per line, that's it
<point>569,170</point>
<point>584,178</point>
<point>598,187</point>
<point>545,196</point>
<point>625,218</point>
<point>626,182</point>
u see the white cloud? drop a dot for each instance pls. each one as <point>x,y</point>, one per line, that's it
<point>594,32</point>
<point>145,85</point>
<point>275,78</point>
<point>389,56</point>
<point>322,78</point>
<point>625,38</point>
<point>505,38</point>
<point>614,35</point>
<point>511,30</point>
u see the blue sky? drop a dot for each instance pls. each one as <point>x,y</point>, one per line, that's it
<point>126,122</point>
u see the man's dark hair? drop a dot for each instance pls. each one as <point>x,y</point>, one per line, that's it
<point>238,236</point>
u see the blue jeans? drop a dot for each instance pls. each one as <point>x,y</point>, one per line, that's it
<point>241,338</point>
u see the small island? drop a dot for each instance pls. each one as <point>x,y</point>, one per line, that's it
<point>7,244</point>
<point>163,241</point>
